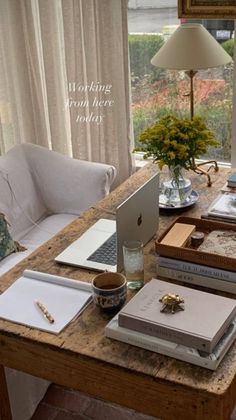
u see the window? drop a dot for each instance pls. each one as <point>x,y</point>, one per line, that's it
<point>157,92</point>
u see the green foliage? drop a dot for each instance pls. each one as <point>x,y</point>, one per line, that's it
<point>142,48</point>
<point>145,116</point>
<point>218,119</point>
<point>229,47</point>
<point>173,141</point>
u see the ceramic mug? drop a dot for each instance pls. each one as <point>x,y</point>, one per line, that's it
<point>109,291</point>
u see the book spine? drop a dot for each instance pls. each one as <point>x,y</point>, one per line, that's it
<point>192,356</point>
<point>231,184</point>
<point>218,218</point>
<point>160,331</point>
<point>203,270</point>
<point>198,279</point>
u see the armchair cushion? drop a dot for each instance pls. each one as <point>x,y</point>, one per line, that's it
<point>68,185</point>
<point>20,201</point>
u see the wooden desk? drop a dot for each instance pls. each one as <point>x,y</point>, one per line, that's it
<point>82,358</point>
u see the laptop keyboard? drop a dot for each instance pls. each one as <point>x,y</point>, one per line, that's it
<point>106,253</point>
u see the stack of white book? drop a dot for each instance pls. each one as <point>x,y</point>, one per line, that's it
<point>200,334</point>
<point>223,207</point>
<point>198,274</point>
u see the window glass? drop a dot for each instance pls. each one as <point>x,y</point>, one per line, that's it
<point>157,92</point>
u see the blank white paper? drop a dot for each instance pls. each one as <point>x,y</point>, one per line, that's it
<point>64,301</point>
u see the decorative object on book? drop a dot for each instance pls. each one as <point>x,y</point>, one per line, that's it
<point>178,351</point>
<point>59,298</point>
<point>109,291</point>
<point>133,260</point>
<point>201,325</point>
<point>231,182</point>
<point>171,303</point>
<point>190,254</point>
<point>191,48</point>
<point>7,244</point>
<point>192,199</point>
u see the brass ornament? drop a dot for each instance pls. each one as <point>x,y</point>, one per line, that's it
<point>171,303</point>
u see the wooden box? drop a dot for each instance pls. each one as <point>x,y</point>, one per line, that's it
<point>187,253</point>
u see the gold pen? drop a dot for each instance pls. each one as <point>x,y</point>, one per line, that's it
<point>44,311</point>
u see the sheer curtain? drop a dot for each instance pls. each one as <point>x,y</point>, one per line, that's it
<point>64,78</point>
<point>233,144</point>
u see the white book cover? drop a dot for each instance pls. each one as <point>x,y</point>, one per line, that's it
<point>198,279</point>
<point>224,205</point>
<point>62,297</point>
<point>203,270</point>
<point>200,325</point>
<point>167,348</point>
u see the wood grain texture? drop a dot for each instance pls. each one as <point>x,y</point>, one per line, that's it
<point>82,357</point>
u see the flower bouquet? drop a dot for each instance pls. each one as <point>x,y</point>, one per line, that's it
<point>177,143</point>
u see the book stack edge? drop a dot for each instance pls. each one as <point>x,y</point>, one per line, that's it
<point>231,182</point>
<point>142,324</point>
<point>167,348</point>
<point>211,264</point>
<point>223,207</point>
<point>198,274</point>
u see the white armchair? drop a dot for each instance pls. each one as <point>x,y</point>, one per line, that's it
<point>41,191</point>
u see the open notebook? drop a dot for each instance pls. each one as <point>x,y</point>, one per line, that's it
<point>62,297</point>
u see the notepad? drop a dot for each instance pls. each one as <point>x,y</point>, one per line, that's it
<point>64,299</point>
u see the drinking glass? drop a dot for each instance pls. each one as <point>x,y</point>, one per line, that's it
<point>133,264</point>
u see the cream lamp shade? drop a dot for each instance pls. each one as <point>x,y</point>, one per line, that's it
<point>190,47</point>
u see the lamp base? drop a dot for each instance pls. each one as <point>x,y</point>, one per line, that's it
<point>198,170</point>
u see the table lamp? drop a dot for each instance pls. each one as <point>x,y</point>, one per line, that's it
<point>191,48</point>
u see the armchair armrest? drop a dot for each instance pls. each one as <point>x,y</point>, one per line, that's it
<point>68,185</point>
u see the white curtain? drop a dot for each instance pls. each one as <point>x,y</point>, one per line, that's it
<point>64,78</point>
<point>233,143</point>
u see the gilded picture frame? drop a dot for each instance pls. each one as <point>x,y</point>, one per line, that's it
<point>207,9</point>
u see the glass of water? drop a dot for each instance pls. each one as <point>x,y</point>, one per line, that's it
<point>133,264</point>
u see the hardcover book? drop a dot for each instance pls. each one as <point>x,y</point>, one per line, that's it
<point>187,354</point>
<point>232,180</point>
<point>197,279</point>
<point>203,270</point>
<point>200,325</point>
<point>223,206</point>
<point>218,218</point>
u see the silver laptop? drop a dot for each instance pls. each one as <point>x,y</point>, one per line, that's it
<point>100,247</point>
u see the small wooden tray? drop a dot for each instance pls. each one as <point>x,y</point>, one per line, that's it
<point>193,255</point>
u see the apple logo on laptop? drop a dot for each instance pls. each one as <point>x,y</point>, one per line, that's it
<point>139,220</point>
